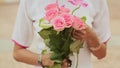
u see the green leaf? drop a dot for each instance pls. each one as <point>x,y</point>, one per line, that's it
<point>55,66</point>
<point>44,33</point>
<point>41,20</point>
<point>84,18</point>
<point>75,46</point>
<point>56,56</point>
<point>59,43</point>
<point>44,52</point>
<point>66,48</point>
<point>58,61</point>
<point>46,41</point>
<point>68,41</point>
<point>44,23</point>
<point>56,42</point>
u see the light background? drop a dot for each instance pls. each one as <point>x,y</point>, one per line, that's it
<point>8,11</point>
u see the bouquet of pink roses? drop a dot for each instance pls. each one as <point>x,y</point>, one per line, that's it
<point>58,25</point>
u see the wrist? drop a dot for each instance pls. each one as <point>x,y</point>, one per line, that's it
<point>97,48</point>
<point>40,60</point>
<point>93,42</point>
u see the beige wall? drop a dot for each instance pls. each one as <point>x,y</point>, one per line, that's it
<point>1,1</point>
<point>8,1</point>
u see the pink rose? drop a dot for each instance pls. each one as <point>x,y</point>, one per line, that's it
<point>58,23</point>
<point>68,19</point>
<point>78,24</point>
<point>74,2</point>
<point>78,2</point>
<point>51,6</point>
<point>64,10</point>
<point>84,4</point>
<point>50,14</point>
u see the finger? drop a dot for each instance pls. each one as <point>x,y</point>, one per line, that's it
<point>83,32</point>
<point>78,34</point>
<point>65,60</point>
<point>51,63</point>
<point>48,56</point>
<point>48,63</point>
<point>76,37</point>
<point>65,65</point>
<point>46,60</point>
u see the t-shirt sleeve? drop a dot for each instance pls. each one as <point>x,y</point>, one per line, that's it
<point>101,21</point>
<point>23,30</point>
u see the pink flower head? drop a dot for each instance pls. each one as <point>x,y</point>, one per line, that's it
<point>50,14</point>
<point>78,24</point>
<point>68,19</point>
<point>58,23</point>
<point>51,6</point>
<point>78,2</point>
<point>84,4</point>
<point>64,10</point>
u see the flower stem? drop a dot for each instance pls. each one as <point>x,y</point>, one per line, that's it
<point>71,29</point>
<point>77,61</point>
<point>75,9</point>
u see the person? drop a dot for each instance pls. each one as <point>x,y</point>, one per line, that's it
<point>96,34</point>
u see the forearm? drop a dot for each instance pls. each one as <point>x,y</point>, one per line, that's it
<point>26,56</point>
<point>94,42</point>
<point>100,53</point>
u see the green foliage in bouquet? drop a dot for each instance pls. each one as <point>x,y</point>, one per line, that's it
<point>59,44</point>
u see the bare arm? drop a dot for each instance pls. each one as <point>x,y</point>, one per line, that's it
<point>92,40</point>
<point>23,55</point>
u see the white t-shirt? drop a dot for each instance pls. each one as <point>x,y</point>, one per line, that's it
<point>30,11</point>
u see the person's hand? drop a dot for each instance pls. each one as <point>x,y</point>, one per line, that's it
<point>88,35</point>
<point>80,34</point>
<point>84,34</point>
<point>46,60</point>
<point>65,64</point>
